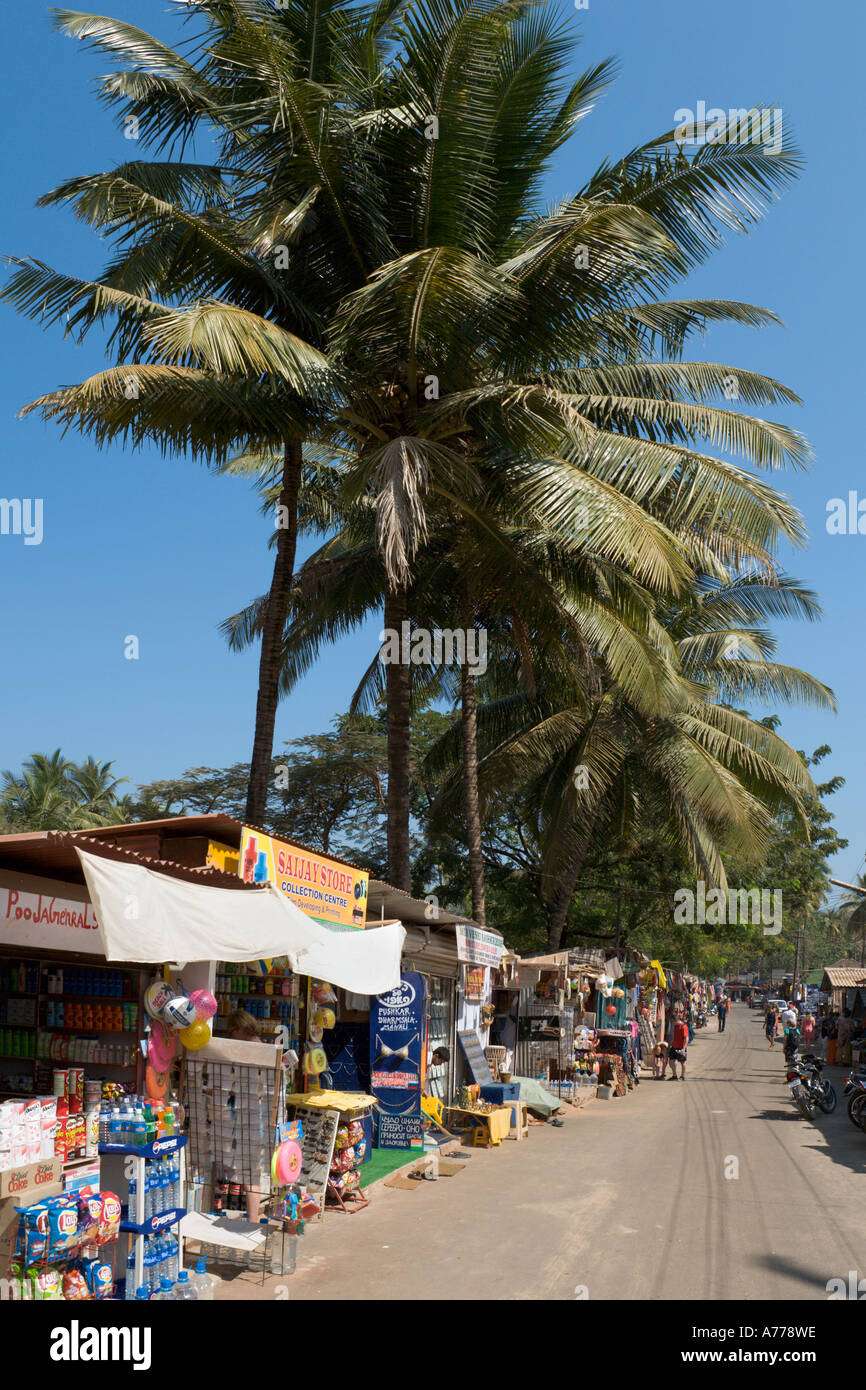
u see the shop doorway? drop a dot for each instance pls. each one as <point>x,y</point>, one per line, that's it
<point>440,1080</point>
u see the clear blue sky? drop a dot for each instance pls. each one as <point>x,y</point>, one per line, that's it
<point>135,544</point>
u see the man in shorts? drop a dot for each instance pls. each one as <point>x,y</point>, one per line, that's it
<point>679,1047</point>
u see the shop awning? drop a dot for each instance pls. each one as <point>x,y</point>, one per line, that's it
<point>150,918</point>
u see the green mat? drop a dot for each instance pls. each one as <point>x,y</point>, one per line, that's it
<point>385,1161</point>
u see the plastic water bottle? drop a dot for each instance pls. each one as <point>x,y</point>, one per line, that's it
<point>153,1183</point>
<point>166,1292</point>
<point>148,1195</point>
<point>133,1192</point>
<point>183,1289</point>
<point>166,1185</point>
<point>202,1282</point>
<point>162,1257</point>
<point>115,1129</point>
<point>138,1130</point>
<point>127,1118</point>
<point>130,1273</point>
<point>143,1294</point>
<point>171,1257</point>
<point>151,1267</point>
<point>104,1123</point>
<point>174,1169</point>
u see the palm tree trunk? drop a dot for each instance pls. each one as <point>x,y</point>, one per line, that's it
<point>568,880</point>
<point>276,613</point>
<point>397,699</point>
<point>470,791</point>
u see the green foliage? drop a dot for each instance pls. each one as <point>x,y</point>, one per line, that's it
<point>53,793</point>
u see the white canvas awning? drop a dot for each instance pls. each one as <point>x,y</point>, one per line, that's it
<point>148,917</point>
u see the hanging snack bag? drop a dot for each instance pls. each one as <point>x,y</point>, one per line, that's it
<point>109,1221</point>
<point>32,1241</point>
<point>75,1285</point>
<point>45,1285</point>
<point>342,1140</point>
<point>62,1229</point>
<point>99,1277</point>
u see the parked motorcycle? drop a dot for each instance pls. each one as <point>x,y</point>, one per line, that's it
<point>701,1019</point>
<point>807,1086</point>
<point>855,1090</point>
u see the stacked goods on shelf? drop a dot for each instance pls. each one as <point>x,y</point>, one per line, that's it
<point>64,1013</point>
<point>270,996</point>
<point>62,1125</point>
<point>64,1247</point>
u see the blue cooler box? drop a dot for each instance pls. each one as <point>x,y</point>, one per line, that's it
<point>500,1091</point>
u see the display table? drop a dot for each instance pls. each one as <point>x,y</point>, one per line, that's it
<point>348,1102</point>
<point>497,1122</point>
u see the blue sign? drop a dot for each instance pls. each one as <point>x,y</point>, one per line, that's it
<point>396,1041</point>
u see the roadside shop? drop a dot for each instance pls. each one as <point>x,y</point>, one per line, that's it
<point>144,972</point>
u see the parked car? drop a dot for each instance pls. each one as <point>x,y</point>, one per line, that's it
<point>757,1001</point>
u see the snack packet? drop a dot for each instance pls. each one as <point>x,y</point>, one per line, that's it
<point>45,1285</point>
<point>109,1221</point>
<point>99,1276</point>
<point>75,1285</point>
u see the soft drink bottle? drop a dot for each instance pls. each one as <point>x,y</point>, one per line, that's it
<point>183,1289</point>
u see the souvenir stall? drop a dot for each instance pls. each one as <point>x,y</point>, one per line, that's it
<point>607,1036</point>
<point>545,1030</point>
<point>234,1102</point>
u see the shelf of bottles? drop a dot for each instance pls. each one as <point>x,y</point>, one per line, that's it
<point>53,1013</point>
<point>271,998</point>
<point>156,1205</point>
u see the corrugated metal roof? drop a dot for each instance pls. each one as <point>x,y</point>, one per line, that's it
<point>845,977</point>
<point>51,854</point>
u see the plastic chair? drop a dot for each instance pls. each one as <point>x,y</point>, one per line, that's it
<point>433,1109</point>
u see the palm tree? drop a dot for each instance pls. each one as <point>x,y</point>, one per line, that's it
<point>854,906</point>
<point>707,775</point>
<point>478,349</point>
<point>53,793</point>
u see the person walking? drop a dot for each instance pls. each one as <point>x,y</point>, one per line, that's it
<point>770,1026</point>
<point>679,1048</point>
<point>723,1012</point>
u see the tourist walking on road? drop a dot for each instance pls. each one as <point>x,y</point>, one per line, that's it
<point>679,1047</point>
<point>770,1026</point>
<point>723,1012</point>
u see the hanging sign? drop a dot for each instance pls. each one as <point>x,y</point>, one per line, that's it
<point>47,923</point>
<point>474,983</point>
<point>478,947</point>
<point>396,1054</point>
<point>332,893</point>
